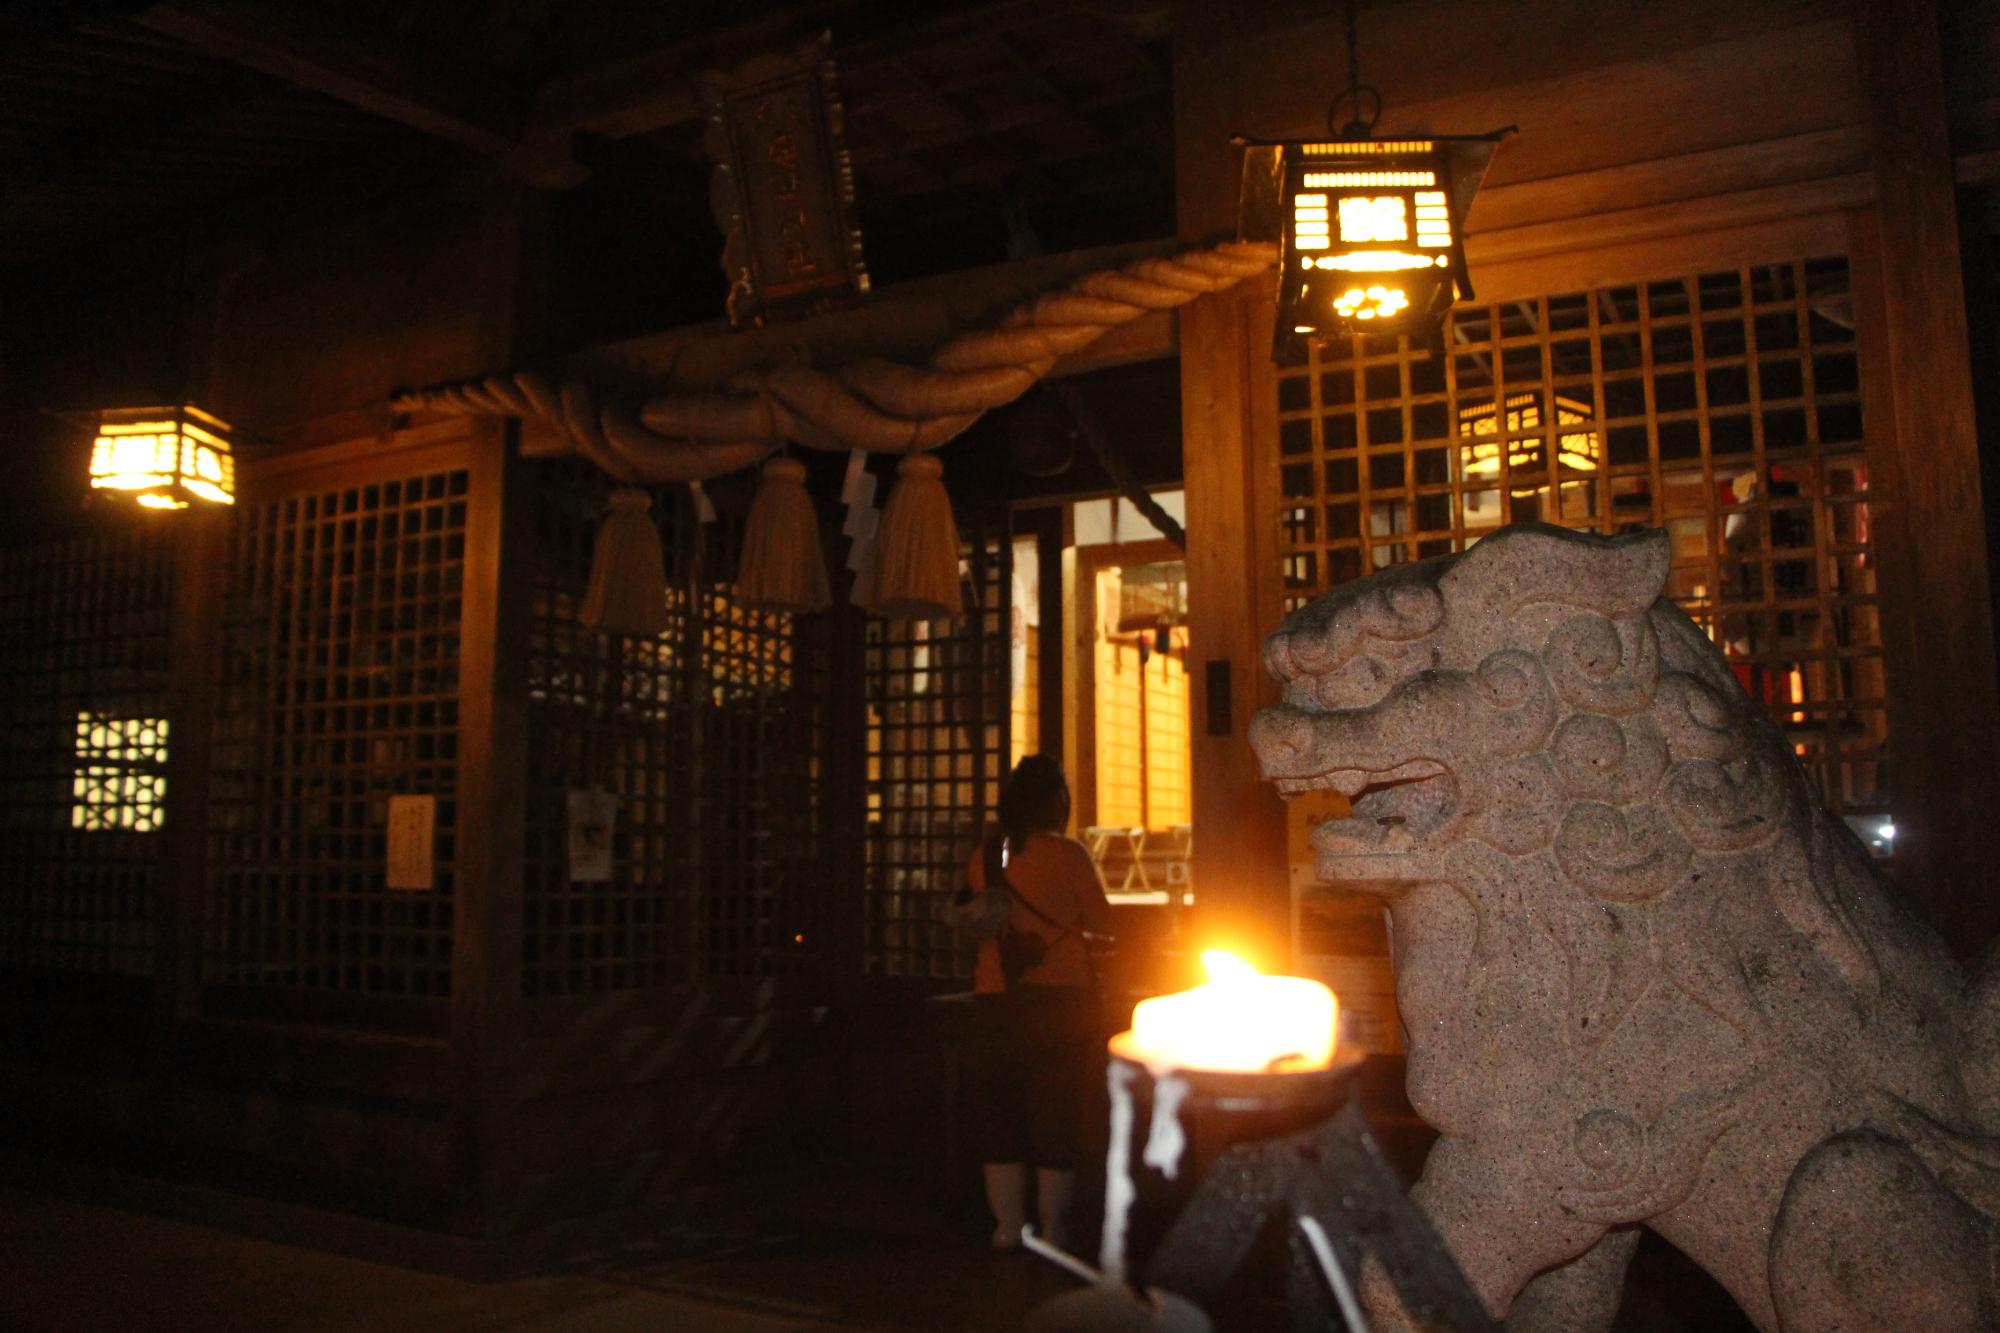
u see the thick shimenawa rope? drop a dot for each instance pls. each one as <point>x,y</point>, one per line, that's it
<point>870,404</point>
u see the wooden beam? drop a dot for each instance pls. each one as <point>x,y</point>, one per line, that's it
<point>628,97</point>
<point>427,91</point>
<point>1830,196</point>
<point>652,90</point>
<point>1612,264</point>
<point>1734,170</point>
<point>1941,654</point>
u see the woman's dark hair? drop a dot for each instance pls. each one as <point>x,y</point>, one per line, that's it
<point>1035,800</point>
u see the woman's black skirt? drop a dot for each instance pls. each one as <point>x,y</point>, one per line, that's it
<point>1037,1058</point>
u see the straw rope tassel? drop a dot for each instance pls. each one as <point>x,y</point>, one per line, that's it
<point>916,573</point>
<point>628,573</point>
<point>783,567</point>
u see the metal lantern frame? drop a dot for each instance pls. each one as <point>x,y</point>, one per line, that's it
<point>170,457</point>
<point>1371,232</point>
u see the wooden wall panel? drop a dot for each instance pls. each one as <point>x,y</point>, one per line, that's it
<point>1427,50</point>
<point>1663,104</point>
<point>1916,323</point>
<point>309,338</point>
<point>1590,92</point>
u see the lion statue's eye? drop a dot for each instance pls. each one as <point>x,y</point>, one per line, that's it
<point>1356,685</point>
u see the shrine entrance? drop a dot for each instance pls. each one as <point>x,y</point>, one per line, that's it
<point>1115,682</point>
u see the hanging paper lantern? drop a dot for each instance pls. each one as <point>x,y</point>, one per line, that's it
<point>628,573</point>
<point>1374,234</point>
<point>783,567</point>
<point>916,574</point>
<point>1371,231</point>
<point>164,457</point>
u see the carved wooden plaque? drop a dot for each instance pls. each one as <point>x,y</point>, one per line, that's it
<point>782,188</point>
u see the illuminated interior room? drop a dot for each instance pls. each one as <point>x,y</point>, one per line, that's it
<point>538,533</point>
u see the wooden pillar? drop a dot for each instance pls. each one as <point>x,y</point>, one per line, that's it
<point>492,805</point>
<point>1228,440</point>
<point>1229,455</point>
<point>1937,606</point>
<point>1079,677</point>
<point>843,783</point>
<point>1049,542</point>
<point>201,573</point>
<point>486,996</point>
<point>842,633</point>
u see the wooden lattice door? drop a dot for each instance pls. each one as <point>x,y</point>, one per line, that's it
<point>702,738</point>
<point>339,671</point>
<point>938,728</point>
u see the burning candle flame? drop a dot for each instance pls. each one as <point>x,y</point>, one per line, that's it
<point>1223,965</point>
<point>1241,1021</point>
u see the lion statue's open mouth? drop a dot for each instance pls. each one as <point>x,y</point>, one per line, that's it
<point>1395,814</point>
<point>1644,977</point>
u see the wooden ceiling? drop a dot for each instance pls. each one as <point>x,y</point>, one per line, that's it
<point>131,133</point>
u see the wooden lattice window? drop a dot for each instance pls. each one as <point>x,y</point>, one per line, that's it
<point>121,773</point>
<point>84,657</point>
<point>1142,728</point>
<point>340,662</point>
<point>938,723</point>
<point>704,738</point>
<point>1723,407</point>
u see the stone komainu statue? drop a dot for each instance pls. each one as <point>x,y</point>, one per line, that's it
<point>1645,977</point>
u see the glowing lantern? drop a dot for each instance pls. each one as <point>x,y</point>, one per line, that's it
<point>1479,427</point>
<point>1371,230</point>
<point>164,457</point>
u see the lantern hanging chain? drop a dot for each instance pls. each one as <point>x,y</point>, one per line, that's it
<point>1358,127</point>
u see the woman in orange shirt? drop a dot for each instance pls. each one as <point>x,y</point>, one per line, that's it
<point>1037,1039</point>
